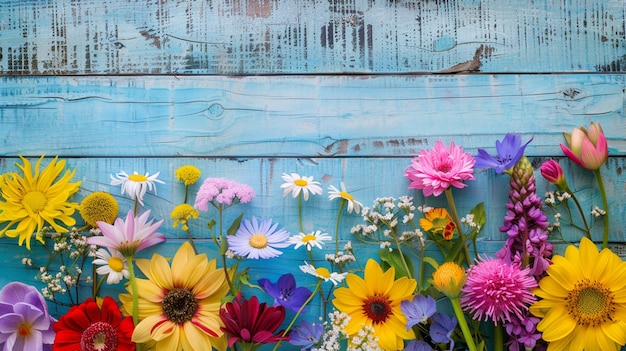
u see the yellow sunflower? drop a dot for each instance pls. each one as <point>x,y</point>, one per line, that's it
<point>583,300</point>
<point>32,200</point>
<point>374,301</point>
<point>438,221</point>
<point>179,305</point>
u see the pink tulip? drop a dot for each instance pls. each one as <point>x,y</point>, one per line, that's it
<point>552,171</point>
<point>588,148</point>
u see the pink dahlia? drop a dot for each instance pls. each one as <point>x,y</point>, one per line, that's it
<point>495,290</point>
<point>435,170</point>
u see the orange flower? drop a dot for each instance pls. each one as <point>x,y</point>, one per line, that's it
<point>438,221</point>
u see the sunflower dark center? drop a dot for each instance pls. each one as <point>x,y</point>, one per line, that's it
<point>179,305</point>
<point>99,336</point>
<point>377,308</point>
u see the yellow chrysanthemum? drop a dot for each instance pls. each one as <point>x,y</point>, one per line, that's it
<point>374,300</point>
<point>182,213</point>
<point>438,221</point>
<point>99,206</point>
<point>34,199</point>
<point>449,278</point>
<point>179,305</point>
<point>583,300</point>
<point>187,174</point>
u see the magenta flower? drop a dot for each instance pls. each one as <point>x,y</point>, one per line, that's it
<point>552,172</point>
<point>25,324</point>
<point>129,236</point>
<point>436,170</point>
<point>588,148</point>
<point>222,191</point>
<point>495,290</point>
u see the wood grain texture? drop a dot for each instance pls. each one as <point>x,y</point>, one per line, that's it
<point>310,36</point>
<point>301,116</point>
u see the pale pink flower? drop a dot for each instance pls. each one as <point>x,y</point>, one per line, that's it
<point>222,191</point>
<point>436,170</point>
<point>129,236</point>
<point>497,291</point>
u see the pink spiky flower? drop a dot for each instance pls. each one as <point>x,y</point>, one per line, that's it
<point>497,291</point>
<point>437,169</point>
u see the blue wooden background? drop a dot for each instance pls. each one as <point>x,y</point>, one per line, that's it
<point>342,90</point>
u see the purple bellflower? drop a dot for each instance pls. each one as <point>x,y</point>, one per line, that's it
<point>25,324</point>
<point>510,150</point>
<point>418,310</point>
<point>442,328</point>
<point>306,335</point>
<point>285,292</point>
<point>418,345</point>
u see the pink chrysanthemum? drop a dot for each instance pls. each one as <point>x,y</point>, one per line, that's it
<point>495,290</point>
<point>435,170</point>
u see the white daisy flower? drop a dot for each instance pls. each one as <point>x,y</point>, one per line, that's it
<point>334,193</point>
<point>323,273</point>
<point>295,183</point>
<point>258,239</point>
<point>136,185</point>
<point>309,240</point>
<point>112,263</point>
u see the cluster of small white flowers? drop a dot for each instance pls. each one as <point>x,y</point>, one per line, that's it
<point>469,220</point>
<point>386,244</point>
<point>53,283</point>
<point>598,212</point>
<point>331,340</point>
<point>409,235</point>
<point>364,340</point>
<point>554,197</point>
<point>342,257</point>
<point>550,198</point>
<point>424,208</point>
<point>563,197</point>
<point>229,254</point>
<point>557,218</point>
<point>27,261</point>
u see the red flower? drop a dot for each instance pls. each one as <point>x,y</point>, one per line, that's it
<point>250,322</point>
<point>88,327</point>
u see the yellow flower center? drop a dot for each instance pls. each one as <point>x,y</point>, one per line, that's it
<point>300,182</point>
<point>308,237</point>
<point>116,264</point>
<point>35,201</point>
<point>323,272</point>
<point>258,241</point>
<point>590,303</point>
<point>24,330</point>
<point>139,178</point>
<point>346,196</point>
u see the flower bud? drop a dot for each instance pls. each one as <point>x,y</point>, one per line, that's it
<point>588,148</point>
<point>552,171</point>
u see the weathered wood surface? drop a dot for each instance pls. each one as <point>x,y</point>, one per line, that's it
<point>310,36</point>
<point>301,116</point>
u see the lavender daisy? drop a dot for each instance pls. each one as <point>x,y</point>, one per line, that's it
<point>256,239</point>
<point>285,292</point>
<point>495,290</point>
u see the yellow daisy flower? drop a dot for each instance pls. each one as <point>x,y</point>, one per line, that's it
<point>181,214</point>
<point>187,174</point>
<point>179,305</point>
<point>374,301</point>
<point>583,300</point>
<point>34,199</point>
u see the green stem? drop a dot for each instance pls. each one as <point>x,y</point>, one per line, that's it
<point>135,292</point>
<point>293,320</point>
<point>587,230</point>
<point>341,206</point>
<point>193,244</point>
<point>457,222</point>
<point>460,316</point>
<point>605,204</point>
<point>406,266</point>
<point>498,338</point>
<point>300,213</point>
<point>186,193</point>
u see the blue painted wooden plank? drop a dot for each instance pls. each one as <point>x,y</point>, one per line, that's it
<point>301,116</point>
<point>310,36</point>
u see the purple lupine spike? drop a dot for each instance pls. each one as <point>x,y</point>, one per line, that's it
<point>526,244</point>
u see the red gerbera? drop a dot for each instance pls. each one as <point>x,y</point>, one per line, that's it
<point>251,323</point>
<point>89,327</point>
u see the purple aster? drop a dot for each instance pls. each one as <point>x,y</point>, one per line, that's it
<point>418,310</point>
<point>306,335</point>
<point>285,292</point>
<point>442,328</point>
<point>24,320</point>
<point>510,150</point>
<point>418,345</point>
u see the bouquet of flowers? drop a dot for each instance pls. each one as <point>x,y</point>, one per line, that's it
<point>424,286</point>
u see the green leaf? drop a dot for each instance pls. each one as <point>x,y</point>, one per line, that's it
<point>211,224</point>
<point>233,227</point>
<point>394,259</point>
<point>480,217</point>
